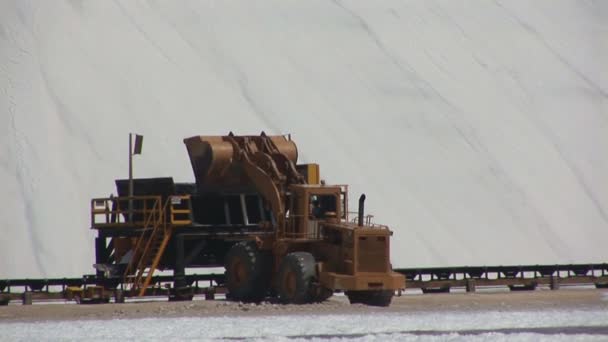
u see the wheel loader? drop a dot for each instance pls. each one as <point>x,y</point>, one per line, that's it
<point>278,230</point>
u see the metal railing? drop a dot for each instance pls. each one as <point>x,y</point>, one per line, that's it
<point>367,221</point>
<point>115,212</point>
<point>180,210</point>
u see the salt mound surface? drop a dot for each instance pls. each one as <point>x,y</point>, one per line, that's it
<point>478,132</point>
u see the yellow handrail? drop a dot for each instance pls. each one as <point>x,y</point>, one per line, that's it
<point>111,210</point>
<point>174,213</point>
<point>110,207</point>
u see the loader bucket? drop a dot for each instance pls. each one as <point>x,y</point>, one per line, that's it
<point>212,157</point>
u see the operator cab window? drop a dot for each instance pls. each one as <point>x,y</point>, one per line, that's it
<point>322,206</point>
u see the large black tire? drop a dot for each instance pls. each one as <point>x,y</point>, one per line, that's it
<point>373,298</point>
<point>247,272</point>
<point>295,279</point>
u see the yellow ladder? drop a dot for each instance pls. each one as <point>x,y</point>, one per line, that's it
<point>148,250</point>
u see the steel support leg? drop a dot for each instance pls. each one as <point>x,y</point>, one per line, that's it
<point>470,285</point>
<point>179,269</point>
<point>101,254</point>
<point>181,291</point>
<point>554,283</point>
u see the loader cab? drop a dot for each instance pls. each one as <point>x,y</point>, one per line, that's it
<point>322,206</point>
<point>310,205</point>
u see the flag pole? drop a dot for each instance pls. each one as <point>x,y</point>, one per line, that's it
<point>130,178</point>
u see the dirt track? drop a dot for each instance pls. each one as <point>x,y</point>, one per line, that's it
<point>496,301</point>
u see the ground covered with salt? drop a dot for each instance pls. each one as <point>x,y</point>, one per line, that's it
<point>542,315</point>
<point>564,325</point>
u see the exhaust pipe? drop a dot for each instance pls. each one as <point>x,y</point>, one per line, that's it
<point>361,209</point>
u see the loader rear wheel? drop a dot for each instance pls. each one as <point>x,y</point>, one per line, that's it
<point>372,298</point>
<point>296,275</point>
<point>247,272</point>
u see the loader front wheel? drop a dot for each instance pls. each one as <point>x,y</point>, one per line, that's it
<point>247,272</point>
<point>296,275</point>
<point>372,298</point>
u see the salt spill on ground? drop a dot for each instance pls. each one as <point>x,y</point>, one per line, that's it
<point>582,325</point>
